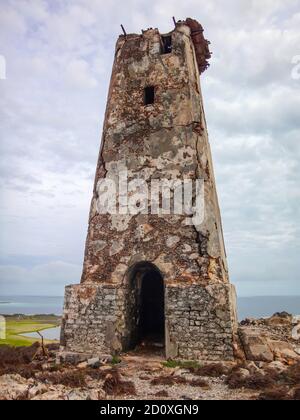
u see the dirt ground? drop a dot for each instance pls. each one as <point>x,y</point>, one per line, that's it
<point>143,375</point>
<point>142,369</point>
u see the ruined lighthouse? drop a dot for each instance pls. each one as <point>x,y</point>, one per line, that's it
<point>150,274</point>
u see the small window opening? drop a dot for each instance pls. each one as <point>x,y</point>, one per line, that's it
<point>149,95</point>
<point>166,44</point>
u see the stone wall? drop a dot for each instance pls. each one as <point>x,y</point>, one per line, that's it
<point>200,322</point>
<point>93,319</point>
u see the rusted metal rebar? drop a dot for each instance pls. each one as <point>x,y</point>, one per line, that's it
<point>123,29</point>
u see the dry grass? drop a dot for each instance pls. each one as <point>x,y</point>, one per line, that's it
<point>26,371</point>
<point>200,383</point>
<point>115,385</point>
<point>213,370</point>
<point>70,378</point>
<point>163,393</point>
<point>16,356</point>
<point>296,393</point>
<point>256,381</point>
<point>18,360</point>
<point>276,393</point>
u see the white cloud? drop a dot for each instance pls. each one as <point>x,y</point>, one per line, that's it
<point>79,75</point>
<point>42,279</point>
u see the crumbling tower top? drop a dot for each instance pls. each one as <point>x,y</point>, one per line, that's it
<point>201,45</point>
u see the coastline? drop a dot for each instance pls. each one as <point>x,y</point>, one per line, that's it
<point>17,326</point>
<point>248,306</point>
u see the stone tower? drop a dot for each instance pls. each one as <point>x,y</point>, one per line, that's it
<point>154,277</point>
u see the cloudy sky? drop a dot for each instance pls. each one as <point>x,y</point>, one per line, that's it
<point>59,55</point>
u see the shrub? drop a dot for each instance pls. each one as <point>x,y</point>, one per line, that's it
<point>254,381</point>
<point>70,378</point>
<point>214,370</point>
<point>188,364</point>
<point>114,385</point>
<point>274,394</point>
<point>296,394</point>
<point>115,360</point>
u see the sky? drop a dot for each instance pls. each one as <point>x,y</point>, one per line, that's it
<point>58,57</point>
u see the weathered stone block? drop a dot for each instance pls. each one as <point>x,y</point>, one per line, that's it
<point>255,346</point>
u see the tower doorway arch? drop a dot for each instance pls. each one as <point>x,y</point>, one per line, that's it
<point>145,306</point>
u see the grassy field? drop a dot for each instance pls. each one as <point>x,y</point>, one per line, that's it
<point>16,326</point>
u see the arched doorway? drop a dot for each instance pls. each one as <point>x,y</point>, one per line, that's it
<point>145,312</point>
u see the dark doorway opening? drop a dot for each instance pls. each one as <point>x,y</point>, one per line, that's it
<point>146,308</point>
<point>152,307</point>
<point>149,95</point>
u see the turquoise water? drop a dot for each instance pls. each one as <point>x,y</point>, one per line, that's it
<point>261,306</point>
<point>49,334</point>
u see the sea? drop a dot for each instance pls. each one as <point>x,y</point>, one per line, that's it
<point>248,307</point>
<point>31,305</point>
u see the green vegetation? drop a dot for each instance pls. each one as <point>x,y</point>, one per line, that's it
<point>18,325</point>
<point>115,360</point>
<point>188,364</point>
